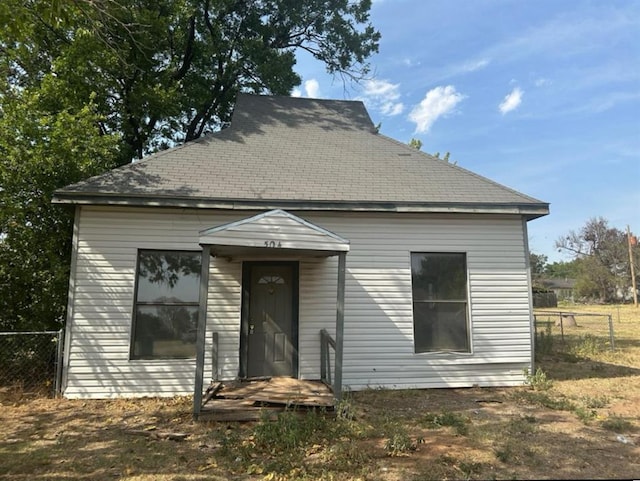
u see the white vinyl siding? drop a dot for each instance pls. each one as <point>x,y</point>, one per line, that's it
<point>378,343</point>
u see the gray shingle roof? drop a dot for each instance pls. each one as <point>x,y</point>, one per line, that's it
<point>285,152</point>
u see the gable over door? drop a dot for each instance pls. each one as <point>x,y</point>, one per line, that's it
<point>269,344</point>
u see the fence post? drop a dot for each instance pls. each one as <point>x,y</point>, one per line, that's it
<point>611,336</point>
<point>57,385</point>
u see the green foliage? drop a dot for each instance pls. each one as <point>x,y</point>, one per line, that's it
<point>41,151</point>
<point>586,346</point>
<point>557,403</point>
<point>165,71</point>
<point>538,263</point>
<point>399,443</point>
<point>87,86</point>
<point>617,424</point>
<point>446,157</point>
<point>415,143</point>
<point>602,259</point>
<point>504,453</point>
<point>585,414</point>
<point>595,402</point>
<point>562,270</point>
<point>446,418</point>
<point>280,446</point>
<point>544,341</point>
<point>537,381</point>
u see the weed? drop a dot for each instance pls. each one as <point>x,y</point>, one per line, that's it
<point>537,381</point>
<point>595,402</point>
<point>345,456</point>
<point>587,346</point>
<point>469,468</point>
<point>559,403</point>
<point>616,423</point>
<point>544,341</point>
<point>289,431</point>
<point>585,414</point>
<point>399,442</point>
<point>446,418</point>
<point>521,425</point>
<point>504,453</point>
<point>281,444</point>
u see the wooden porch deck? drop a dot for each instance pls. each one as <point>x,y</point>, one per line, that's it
<point>253,399</point>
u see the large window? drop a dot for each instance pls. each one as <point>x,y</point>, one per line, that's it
<point>166,305</point>
<point>439,282</point>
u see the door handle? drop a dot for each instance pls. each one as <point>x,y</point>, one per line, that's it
<point>251,328</point>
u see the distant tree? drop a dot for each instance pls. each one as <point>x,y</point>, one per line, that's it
<point>602,259</point>
<point>563,270</point>
<point>415,143</point>
<point>446,157</point>
<point>538,263</point>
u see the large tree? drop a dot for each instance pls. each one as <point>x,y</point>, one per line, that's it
<point>166,71</point>
<point>602,259</point>
<point>86,85</point>
<point>39,152</point>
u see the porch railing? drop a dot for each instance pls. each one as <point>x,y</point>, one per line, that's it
<point>326,341</point>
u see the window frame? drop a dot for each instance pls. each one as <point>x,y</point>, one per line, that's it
<point>467,309</point>
<point>134,320</point>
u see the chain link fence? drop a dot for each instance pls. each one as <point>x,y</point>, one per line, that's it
<point>576,333</point>
<point>31,363</point>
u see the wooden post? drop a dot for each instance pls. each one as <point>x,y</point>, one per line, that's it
<point>202,330</point>
<point>337,383</point>
<point>633,270</point>
<point>214,356</point>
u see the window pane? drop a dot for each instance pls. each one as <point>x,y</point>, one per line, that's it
<point>439,276</point>
<point>440,326</point>
<point>165,332</point>
<point>169,277</point>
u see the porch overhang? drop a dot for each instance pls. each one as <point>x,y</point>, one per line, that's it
<point>275,234</point>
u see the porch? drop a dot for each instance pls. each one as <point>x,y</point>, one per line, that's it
<point>250,400</point>
<point>253,399</point>
<point>270,247</point>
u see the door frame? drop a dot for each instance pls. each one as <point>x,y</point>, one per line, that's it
<point>247,267</point>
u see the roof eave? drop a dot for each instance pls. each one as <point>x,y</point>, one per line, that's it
<point>529,210</point>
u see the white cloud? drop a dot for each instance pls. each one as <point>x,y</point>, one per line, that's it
<point>312,88</point>
<point>438,102</point>
<point>541,82</point>
<point>511,101</point>
<point>474,65</point>
<point>409,62</point>
<point>382,95</point>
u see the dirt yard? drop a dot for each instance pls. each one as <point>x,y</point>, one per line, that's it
<point>578,418</point>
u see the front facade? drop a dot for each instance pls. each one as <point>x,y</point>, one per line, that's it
<point>433,294</point>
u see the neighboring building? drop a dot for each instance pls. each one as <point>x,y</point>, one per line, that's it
<point>562,288</point>
<point>299,217</point>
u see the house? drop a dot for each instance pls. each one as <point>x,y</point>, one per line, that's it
<point>228,256</point>
<point>562,288</point>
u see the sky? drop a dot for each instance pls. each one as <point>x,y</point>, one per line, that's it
<point>542,96</point>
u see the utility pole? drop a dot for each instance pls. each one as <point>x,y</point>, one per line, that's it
<point>633,270</point>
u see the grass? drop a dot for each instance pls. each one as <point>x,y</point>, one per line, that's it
<point>578,417</point>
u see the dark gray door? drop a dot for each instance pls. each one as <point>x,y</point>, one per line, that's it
<point>271,319</point>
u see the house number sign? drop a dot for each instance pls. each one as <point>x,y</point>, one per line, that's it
<point>272,244</point>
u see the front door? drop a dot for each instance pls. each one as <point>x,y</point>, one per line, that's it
<point>269,344</point>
